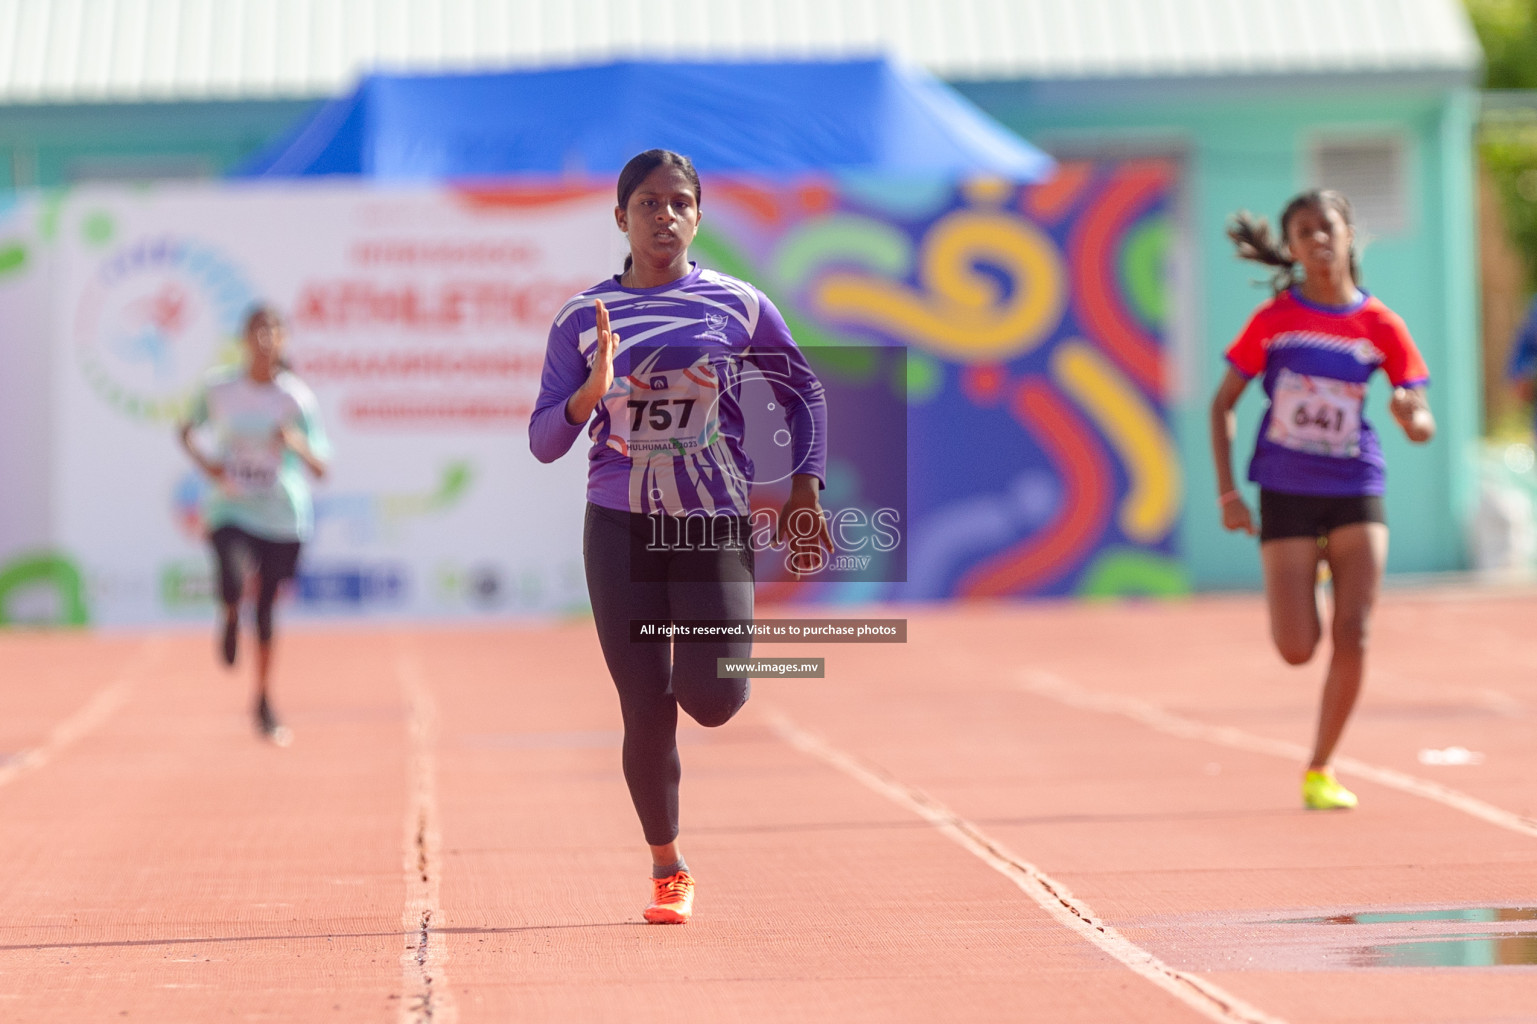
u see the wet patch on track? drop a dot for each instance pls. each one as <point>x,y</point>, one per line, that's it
<point>1438,936</point>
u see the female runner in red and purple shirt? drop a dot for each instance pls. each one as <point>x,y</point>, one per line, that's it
<point>1317,460</point>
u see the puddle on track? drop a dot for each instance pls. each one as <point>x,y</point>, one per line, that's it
<point>1475,914</point>
<point>1487,950</point>
<point>1420,937</point>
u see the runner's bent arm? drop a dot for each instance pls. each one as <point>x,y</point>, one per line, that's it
<point>207,465</point>
<point>196,417</point>
<point>800,394</point>
<point>601,377</point>
<point>569,390</point>
<point>305,437</point>
<point>1412,411</point>
<point>1406,371</point>
<point>1224,424</point>
<point>295,440</point>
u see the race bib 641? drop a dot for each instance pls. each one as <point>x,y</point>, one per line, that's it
<point>1317,415</point>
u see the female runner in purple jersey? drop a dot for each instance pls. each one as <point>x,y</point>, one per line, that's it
<point>666,534</point>
<point>1317,461</point>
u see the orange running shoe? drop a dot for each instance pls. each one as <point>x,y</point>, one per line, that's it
<point>673,899</point>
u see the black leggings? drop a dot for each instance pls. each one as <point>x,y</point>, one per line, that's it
<point>627,579</point>
<point>275,561</point>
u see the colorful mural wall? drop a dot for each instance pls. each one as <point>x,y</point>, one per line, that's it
<point>993,357</point>
<point>1039,458</point>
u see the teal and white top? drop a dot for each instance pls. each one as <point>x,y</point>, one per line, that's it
<point>263,491</point>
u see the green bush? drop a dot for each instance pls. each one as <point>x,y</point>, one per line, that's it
<point>1507,30</point>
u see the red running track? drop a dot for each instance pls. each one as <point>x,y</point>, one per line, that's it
<point>917,837</point>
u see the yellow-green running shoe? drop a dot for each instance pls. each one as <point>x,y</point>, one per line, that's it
<point>1321,791</point>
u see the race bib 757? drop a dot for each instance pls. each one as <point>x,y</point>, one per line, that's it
<point>673,412</point>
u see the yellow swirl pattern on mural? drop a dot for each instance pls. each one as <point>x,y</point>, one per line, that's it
<point>964,313</point>
<point>986,190</point>
<point>1133,428</point>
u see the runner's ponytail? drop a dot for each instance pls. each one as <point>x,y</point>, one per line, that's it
<point>1252,238</point>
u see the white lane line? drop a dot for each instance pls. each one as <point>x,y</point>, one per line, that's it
<point>427,998</point>
<point>1054,687</point>
<point>1211,1001</point>
<point>102,705</point>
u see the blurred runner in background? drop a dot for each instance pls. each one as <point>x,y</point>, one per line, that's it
<point>262,429</point>
<point>1521,368</point>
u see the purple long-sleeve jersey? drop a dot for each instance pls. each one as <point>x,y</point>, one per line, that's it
<point>669,435</point>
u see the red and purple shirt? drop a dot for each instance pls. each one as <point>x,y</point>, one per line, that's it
<point>1316,361</point>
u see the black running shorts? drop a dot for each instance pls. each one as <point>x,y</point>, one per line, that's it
<point>1283,515</point>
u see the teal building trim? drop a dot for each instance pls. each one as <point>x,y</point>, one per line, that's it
<point>51,145</point>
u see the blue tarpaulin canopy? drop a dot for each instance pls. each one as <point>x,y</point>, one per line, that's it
<point>776,118</point>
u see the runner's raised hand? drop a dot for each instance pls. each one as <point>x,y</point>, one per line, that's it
<point>601,375</point>
<point>603,358</point>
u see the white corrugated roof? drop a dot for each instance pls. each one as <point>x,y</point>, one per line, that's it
<point>89,50</point>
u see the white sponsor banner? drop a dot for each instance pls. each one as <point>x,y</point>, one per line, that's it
<point>37,582</point>
<point>23,377</point>
<point>419,318</point>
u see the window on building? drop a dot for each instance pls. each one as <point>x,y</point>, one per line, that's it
<point>1372,174</point>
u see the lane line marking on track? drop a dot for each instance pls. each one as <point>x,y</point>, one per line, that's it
<point>102,705</point>
<point>1211,1001</point>
<point>1054,687</point>
<point>427,999</point>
